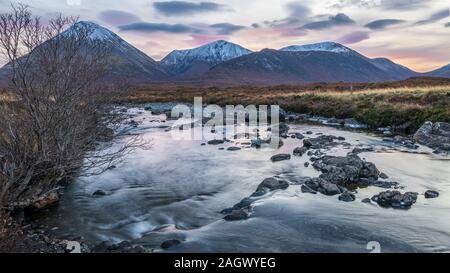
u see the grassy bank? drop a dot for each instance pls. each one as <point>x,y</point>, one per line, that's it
<point>404,108</point>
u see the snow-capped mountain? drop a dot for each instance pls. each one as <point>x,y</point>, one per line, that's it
<point>225,62</point>
<point>128,61</point>
<point>396,71</point>
<point>95,31</point>
<point>200,59</point>
<point>273,67</point>
<point>325,46</point>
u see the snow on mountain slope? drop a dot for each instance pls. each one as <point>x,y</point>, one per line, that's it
<point>324,46</point>
<point>209,55</point>
<point>128,61</point>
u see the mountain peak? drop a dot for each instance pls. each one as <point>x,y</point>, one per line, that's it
<point>96,32</point>
<point>323,46</point>
<point>212,53</point>
<point>88,24</point>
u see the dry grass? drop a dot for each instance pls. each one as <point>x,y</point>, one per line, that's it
<point>404,107</point>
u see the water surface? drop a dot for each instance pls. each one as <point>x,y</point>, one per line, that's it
<point>176,190</point>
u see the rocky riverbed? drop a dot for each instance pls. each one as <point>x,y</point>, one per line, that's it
<point>323,190</point>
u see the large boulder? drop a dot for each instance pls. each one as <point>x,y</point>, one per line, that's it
<point>272,184</point>
<point>395,199</point>
<point>321,185</point>
<point>321,142</point>
<point>346,170</point>
<point>436,136</point>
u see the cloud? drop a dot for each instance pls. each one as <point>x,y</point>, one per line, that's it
<point>435,17</point>
<point>298,10</point>
<point>286,22</point>
<point>201,39</point>
<point>176,8</point>
<point>399,5</point>
<point>403,4</point>
<point>256,25</point>
<point>159,27</point>
<point>354,37</point>
<point>381,24</point>
<point>226,28</point>
<point>339,19</point>
<point>117,17</point>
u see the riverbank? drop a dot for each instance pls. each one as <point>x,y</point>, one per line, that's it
<point>404,109</point>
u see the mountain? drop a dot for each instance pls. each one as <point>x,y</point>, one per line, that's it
<point>226,63</point>
<point>127,61</point>
<point>324,46</point>
<point>443,72</point>
<point>271,67</point>
<point>400,71</point>
<point>196,61</point>
<point>397,71</point>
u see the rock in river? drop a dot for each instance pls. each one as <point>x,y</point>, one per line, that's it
<point>395,199</point>
<point>99,193</point>
<point>237,215</point>
<point>435,135</point>
<point>347,197</point>
<point>272,184</point>
<point>280,157</point>
<point>122,247</point>
<point>323,186</point>
<point>306,189</point>
<point>321,142</point>
<point>170,243</point>
<point>347,170</point>
<point>431,194</point>
<point>299,151</point>
<point>216,141</point>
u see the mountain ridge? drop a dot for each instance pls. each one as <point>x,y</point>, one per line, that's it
<point>322,62</point>
<point>201,58</point>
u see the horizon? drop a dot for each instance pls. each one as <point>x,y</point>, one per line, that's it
<point>413,33</point>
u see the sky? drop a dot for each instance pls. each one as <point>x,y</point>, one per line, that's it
<point>414,33</point>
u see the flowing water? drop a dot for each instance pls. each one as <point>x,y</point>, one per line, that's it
<point>176,190</point>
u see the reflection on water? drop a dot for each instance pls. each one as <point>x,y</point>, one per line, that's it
<point>176,190</point>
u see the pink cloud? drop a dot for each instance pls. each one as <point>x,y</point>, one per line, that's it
<point>201,39</point>
<point>354,37</point>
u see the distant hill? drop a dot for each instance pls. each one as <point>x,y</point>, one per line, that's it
<point>441,72</point>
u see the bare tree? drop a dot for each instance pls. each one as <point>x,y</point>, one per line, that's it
<point>60,107</point>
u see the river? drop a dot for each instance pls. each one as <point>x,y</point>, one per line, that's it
<point>176,190</point>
